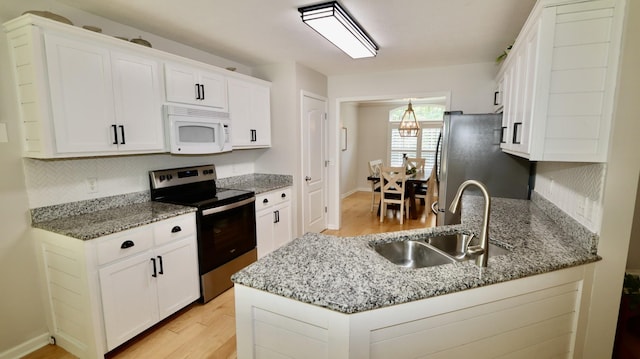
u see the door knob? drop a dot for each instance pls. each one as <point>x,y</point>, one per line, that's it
<point>307,178</point>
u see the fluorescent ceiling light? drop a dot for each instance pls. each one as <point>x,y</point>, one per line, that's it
<point>336,25</point>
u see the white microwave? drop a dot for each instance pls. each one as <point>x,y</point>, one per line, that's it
<point>196,130</point>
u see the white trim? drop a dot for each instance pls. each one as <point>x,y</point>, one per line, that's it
<point>27,347</point>
<point>345,195</point>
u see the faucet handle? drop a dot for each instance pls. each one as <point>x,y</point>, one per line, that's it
<point>475,250</point>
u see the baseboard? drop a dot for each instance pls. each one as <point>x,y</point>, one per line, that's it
<point>345,195</point>
<point>27,347</point>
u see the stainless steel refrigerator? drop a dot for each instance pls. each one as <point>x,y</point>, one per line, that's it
<point>469,148</point>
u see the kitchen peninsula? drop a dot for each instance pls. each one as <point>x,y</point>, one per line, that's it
<point>329,297</point>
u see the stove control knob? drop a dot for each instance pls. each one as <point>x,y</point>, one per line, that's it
<point>162,178</point>
<point>169,177</point>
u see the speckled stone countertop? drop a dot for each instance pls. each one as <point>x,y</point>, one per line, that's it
<point>107,221</point>
<point>98,217</point>
<point>347,275</point>
<point>256,182</point>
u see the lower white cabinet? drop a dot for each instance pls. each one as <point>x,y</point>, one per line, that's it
<point>273,220</point>
<point>139,291</point>
<point>105,291</point>
<point>542,316</point>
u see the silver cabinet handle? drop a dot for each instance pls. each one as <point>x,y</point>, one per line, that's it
<point>307,178</point>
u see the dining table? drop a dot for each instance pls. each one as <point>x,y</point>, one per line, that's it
<point>412,182</point>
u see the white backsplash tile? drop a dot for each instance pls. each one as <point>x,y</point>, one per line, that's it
<point>575,188</point>
<point>51,182</point>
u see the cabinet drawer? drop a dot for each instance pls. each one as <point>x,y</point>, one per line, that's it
<point>272,198</point>
<point>174,228</point>
<point>124,244</point>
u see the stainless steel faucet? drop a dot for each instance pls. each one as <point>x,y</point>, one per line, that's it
<point>481,250</point>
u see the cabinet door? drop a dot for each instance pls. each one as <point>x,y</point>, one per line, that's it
<point>250,111</point>
<point>282,227</point>
<point>129,299</point>
<point>194,86</point>
<point>81,95</point>
<point>240,112</point>
<point>264,232</point>
<point>138,102</point>
<point>213,91</point>
<point>261,115</point>
<point>178,283</point>
<point>181,84</point>
<point>526,89</point>
<point>507,115</point>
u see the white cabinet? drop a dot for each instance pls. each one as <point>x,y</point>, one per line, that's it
<point>273,220</point>
<point>191,85</point>
<point>105,291</point>
<point>79,97</point>
<point>250,111</point>
<point>139,291</point>
<point>559,81</point>
<point>541,316</point>
<point>137,83</point>
<point>81,91</point>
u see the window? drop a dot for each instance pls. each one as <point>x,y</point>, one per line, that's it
<point>424,146</point>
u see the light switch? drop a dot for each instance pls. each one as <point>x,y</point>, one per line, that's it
<point>3,133</point>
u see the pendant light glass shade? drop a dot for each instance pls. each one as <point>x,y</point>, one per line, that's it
<point>409,126</point>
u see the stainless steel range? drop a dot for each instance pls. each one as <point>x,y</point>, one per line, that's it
<point>225,218</point>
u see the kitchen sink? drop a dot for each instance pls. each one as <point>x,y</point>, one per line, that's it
<point>411,254</point>
<point>433,251</point>
<point>455,245</point>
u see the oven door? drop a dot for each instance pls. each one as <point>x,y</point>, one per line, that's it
<point>225,233</point>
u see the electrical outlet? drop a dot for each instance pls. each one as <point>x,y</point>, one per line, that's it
<point>92,185</point>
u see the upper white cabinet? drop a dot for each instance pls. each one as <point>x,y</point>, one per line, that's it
<point>558,82</point>
<point>82,93</point>
<point>250,112</point>
<point>82,98</point>
<point>191,85</point>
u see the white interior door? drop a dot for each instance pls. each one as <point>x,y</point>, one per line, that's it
<point>314,165</point>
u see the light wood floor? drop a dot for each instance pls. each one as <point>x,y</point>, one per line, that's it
<point>357,218</point>
<point>208,331</point>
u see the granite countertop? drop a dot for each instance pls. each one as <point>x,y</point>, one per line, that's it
<point>256,182</point>
<point>99,217</point>
<point>103,222</point>
<point>348,276</point>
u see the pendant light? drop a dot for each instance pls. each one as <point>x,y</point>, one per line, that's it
<point>409,126</point>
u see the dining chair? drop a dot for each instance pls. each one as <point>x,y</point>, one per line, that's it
<point>393,190</point>
<point>374,171</point>
<point>420,190</point>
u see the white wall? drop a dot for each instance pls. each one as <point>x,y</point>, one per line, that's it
<point>470,89</point>
<point>373,120</point>
<point>350,159</point>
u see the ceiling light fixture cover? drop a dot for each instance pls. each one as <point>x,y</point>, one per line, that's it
<point>336,25</point>
<point>409,127</point>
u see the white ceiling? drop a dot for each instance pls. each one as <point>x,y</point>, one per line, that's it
<point>410,33</point>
